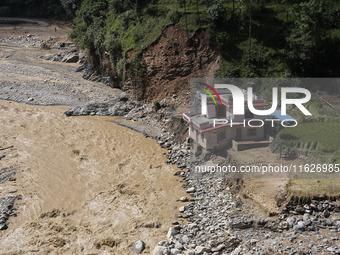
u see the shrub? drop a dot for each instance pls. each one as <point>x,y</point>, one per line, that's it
<point>174,16</point>
<point>156,105</point>
<point>113,47</point>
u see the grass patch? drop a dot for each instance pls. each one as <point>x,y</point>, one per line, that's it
<point>320,137</point>
<point>310,188</point>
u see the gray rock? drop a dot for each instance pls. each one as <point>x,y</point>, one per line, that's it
<point>299,226</point>
<point>190,252</point>
<point>191,190</point>
<point>178,245</point>
<point>241,223</point>
<point>218,248</point>
<point>71,57</point>
<point>291,221</point>
<point>330,249</point>
<point>201,249</point>
<point>337,224</point>
<point>306,216</point>
<point>3,226</point>
<point>175,251</point>
<point>185,239</point>
<point>183,199</point>
<point>171,233</point>
<point>181,209</point>
<point>237,251</point>
<point>163,243</point>
<point>101,109</point>
<point>160,250</point>
<point>137,247</point>
<point>326,213</point>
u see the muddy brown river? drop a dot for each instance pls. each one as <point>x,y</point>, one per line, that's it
<point>88,186</point>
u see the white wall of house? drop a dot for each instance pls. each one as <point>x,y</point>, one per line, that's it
<point>219,137</point>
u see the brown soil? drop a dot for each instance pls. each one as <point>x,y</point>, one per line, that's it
<point>172,60</point>
<point>260,194</point>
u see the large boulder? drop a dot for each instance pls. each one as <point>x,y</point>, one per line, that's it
<point>71,57</point>
<point>137,247</point>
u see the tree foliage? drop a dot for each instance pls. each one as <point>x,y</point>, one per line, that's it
<point>306,36</point>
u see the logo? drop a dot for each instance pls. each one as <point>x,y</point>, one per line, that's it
<point>239,99</point>
<point>212,89</point>
<point>235,100</point>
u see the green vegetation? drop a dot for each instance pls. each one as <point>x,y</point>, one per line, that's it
<point>311,188</point>
<point>260,38</point>
<point>156,105</point>
<point>32,8</point>
<point>319,137</point>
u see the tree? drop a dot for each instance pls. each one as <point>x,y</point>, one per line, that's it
<point>216,12</point>
<point>183,3</point>
<point>198,13</point>
<point>249,7</point>
<point>305,37</point>
<point>70,6</point>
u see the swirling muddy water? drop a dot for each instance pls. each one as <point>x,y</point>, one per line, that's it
<point>87,185</point>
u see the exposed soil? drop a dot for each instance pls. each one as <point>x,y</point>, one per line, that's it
<point>263,192</point>
<point>172,60</point>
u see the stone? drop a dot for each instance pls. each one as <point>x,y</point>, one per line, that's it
<point>160,250</point>
<point>3,226</point>
<point>299,209</point>
<point>337,224</point>
<point>299,226</point>
<point>237,251</point>
<point>71,57</point>
<point>163,243</point>
<point>326,213</point>
<point>218,248</point>
<point>191,190</point>
<point>183,199</point>
<point>306,216</point>
<point>242,224</point>
<point>178,245</point>
<point>190,252</point>
<point>30,99</point>
<point>201,250</point>
<point>175,251</point>
<point>181,209</point>
<point>291,221</point>
<point>185,239</point>
<point>330,249</point>
<point>171,233</point>
<point>137,247</point>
